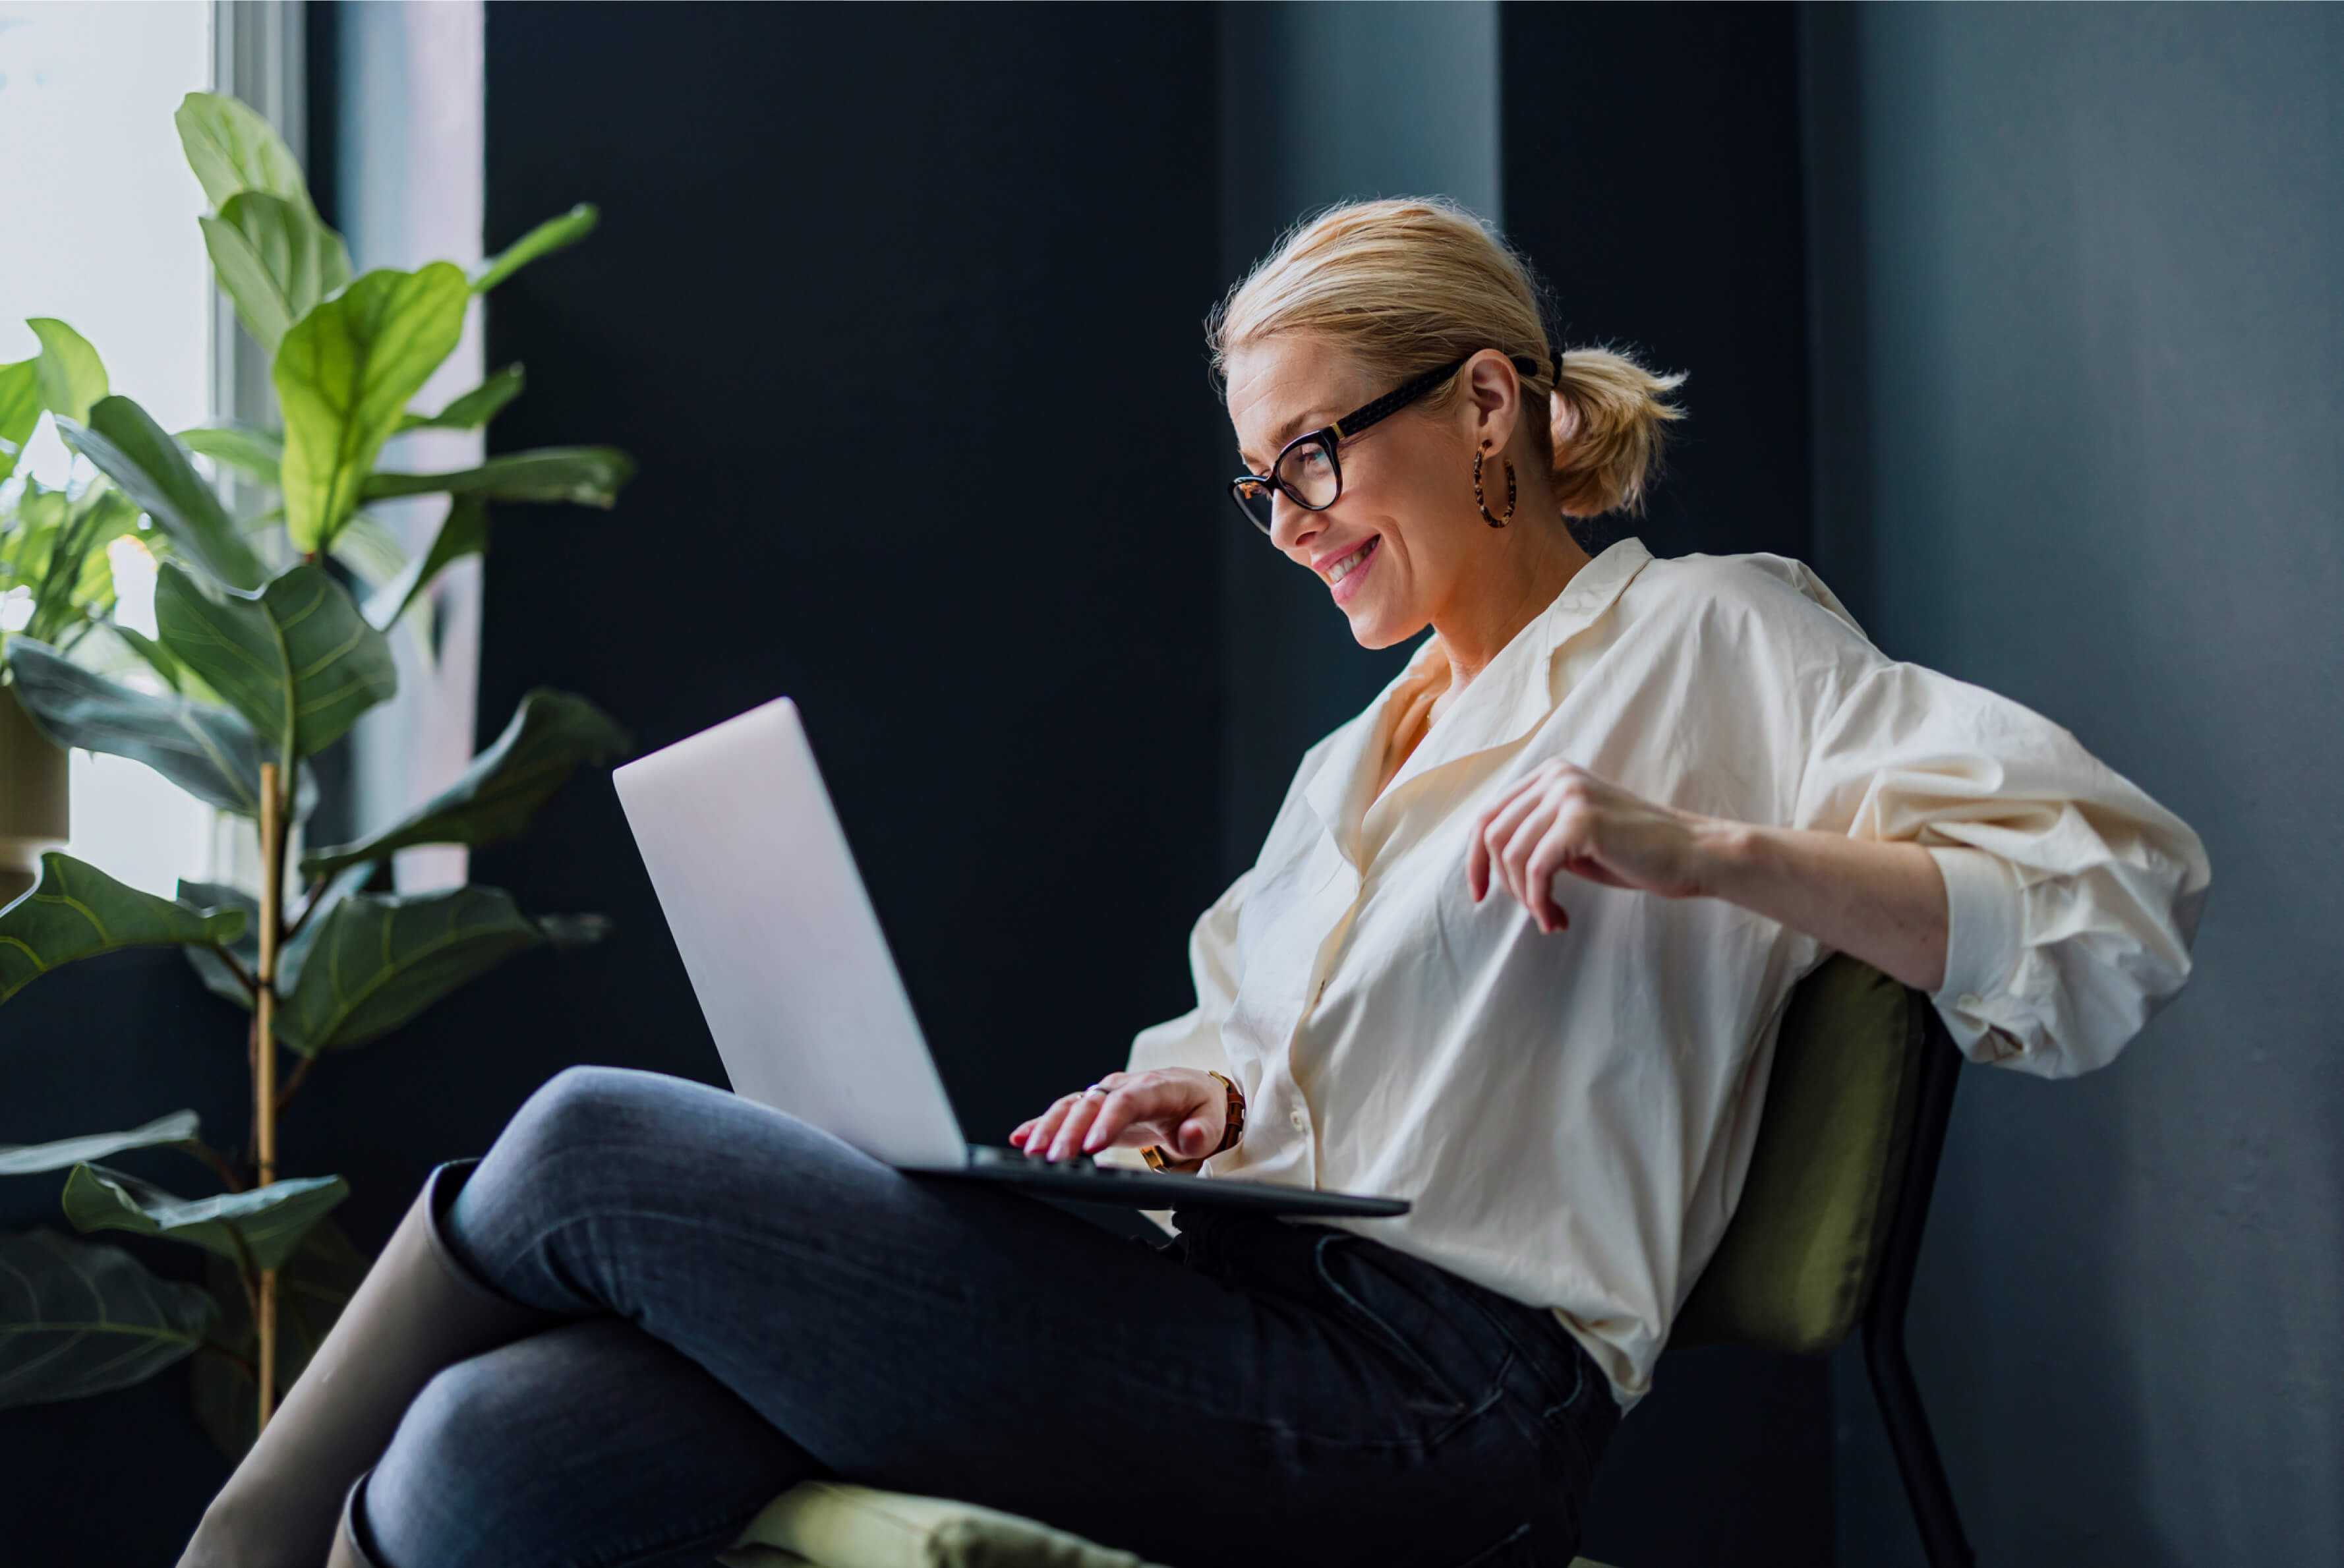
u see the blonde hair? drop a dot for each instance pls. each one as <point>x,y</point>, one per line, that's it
<point>1405,284</point>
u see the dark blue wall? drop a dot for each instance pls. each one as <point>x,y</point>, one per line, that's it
<point>2081,275</point>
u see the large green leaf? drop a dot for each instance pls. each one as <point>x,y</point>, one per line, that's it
<point>296,659</point>
<point>222,981</point>
<point>248,449</point>
<point>262,1223</point>
<point>275,260</point>
<point>72,375</point>
<point>139,455</point>
<point>463,531</point>
<point>370,549</point>
<point>209,751</point>
<point>77,580</point>
<point>551,735</point>
<point>474,409</point>
<point>375,556</point>
<point>590,476</point>
<point>232,149</point>
<point>313,1286</point>
<point>25,1158</point>
<point>554,234</point>
<point>30,539</point>
<point>20,409</point>
<point>158,657</point>
<point>217,978</point>
<point>384,957</point>
<point>344,375</point>
<point>76,911</point>
<point>80,1318</point>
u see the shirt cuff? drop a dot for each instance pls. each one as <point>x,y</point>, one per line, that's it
<point>1983,927</point>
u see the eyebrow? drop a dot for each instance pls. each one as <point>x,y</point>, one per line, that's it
<point>1289,430</point>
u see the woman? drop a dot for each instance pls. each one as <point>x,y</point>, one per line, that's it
<point>1516,947</point>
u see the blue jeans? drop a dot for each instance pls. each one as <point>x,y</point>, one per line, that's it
<point>751,1301</point>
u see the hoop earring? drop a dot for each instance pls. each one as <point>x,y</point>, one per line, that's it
<point>1494,521</point>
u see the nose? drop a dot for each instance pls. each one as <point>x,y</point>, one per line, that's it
<point>1292,525</point>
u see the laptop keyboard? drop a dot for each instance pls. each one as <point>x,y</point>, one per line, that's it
<point>987,1154</point>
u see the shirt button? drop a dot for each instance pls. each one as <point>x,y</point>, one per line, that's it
<point>1298,1121</point>
<point>1968,999</point>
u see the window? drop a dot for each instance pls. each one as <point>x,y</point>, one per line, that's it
<point>101,233</point>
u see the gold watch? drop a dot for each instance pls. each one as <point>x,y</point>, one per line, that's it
<point>1232,1126</point>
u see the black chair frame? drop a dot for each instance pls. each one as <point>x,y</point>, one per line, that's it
<point>1884,1357</point>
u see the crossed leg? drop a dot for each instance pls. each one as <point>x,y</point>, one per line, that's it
<point>756,1301</point>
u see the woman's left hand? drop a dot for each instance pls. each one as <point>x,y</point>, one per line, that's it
<point>1560,818</point>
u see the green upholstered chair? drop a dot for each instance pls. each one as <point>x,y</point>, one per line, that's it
<point>1822,1241</point>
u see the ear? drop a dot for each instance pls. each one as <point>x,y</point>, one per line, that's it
<point>1494,393</point>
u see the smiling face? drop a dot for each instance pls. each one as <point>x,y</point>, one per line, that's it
<point>1408,484</point>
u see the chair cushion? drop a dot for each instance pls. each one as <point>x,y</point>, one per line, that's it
<point>835,1525</point>
<point>1795,1267</point>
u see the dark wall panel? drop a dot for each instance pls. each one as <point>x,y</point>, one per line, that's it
<point>898,308</point>
<point>1652,167</point>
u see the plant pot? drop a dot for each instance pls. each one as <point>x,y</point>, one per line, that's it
<point>34,796</point>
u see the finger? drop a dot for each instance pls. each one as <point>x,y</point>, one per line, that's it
<point>1547,862</point>
<point>1476,851</point>
<point>1514,858</point>
<point>1194,1139</point>
<point>1499,828</point>
<point>1068,1137</point>
<point>1046,1124</point>
<point>1123,1105</point>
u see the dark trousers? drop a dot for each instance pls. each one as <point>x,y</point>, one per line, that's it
<point>754,1301</point>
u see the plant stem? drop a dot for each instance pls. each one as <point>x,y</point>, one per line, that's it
<point>236,968</point>
<point>301,1071</point>
<point>264,1053</point>
<point>216,1160</point>
<point>316,890</point>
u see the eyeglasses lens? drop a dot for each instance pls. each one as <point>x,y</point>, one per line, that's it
<point>1308,474</point>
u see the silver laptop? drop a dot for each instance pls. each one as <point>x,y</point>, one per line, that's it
<point>792,973</point>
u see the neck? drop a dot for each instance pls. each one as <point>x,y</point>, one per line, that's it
<point>1486,612</point>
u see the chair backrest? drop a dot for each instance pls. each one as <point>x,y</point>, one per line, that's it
<point>1833,1161</point>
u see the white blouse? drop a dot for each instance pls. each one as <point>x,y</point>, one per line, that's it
<point>1572,1115</point>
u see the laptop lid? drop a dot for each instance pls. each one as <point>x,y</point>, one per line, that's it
<point>777,932</point>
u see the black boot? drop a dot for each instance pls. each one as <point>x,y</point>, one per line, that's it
<point>293,1498</point>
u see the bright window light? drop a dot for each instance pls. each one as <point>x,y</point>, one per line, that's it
<point>101,233</point>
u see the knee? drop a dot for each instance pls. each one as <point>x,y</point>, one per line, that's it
<point>584,1105</point>
<point>442,1474</point>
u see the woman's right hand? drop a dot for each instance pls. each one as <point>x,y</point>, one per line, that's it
<point>1182,1110</point>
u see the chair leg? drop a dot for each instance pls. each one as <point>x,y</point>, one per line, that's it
<point>1916,1447</point>
<point>1917,1459</point>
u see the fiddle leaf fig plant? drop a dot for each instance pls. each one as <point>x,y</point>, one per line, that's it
<point>261,657</point>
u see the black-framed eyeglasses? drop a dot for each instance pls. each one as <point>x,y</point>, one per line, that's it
<point>1308,469</point>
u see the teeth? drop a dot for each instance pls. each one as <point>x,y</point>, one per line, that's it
<point>1345,567</point>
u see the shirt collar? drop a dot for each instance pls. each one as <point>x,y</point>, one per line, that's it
<point>1509,699</point>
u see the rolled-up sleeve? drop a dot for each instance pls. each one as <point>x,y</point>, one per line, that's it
<point>2073,898</point>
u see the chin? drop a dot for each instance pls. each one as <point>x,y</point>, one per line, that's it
<point>1376,630</point>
